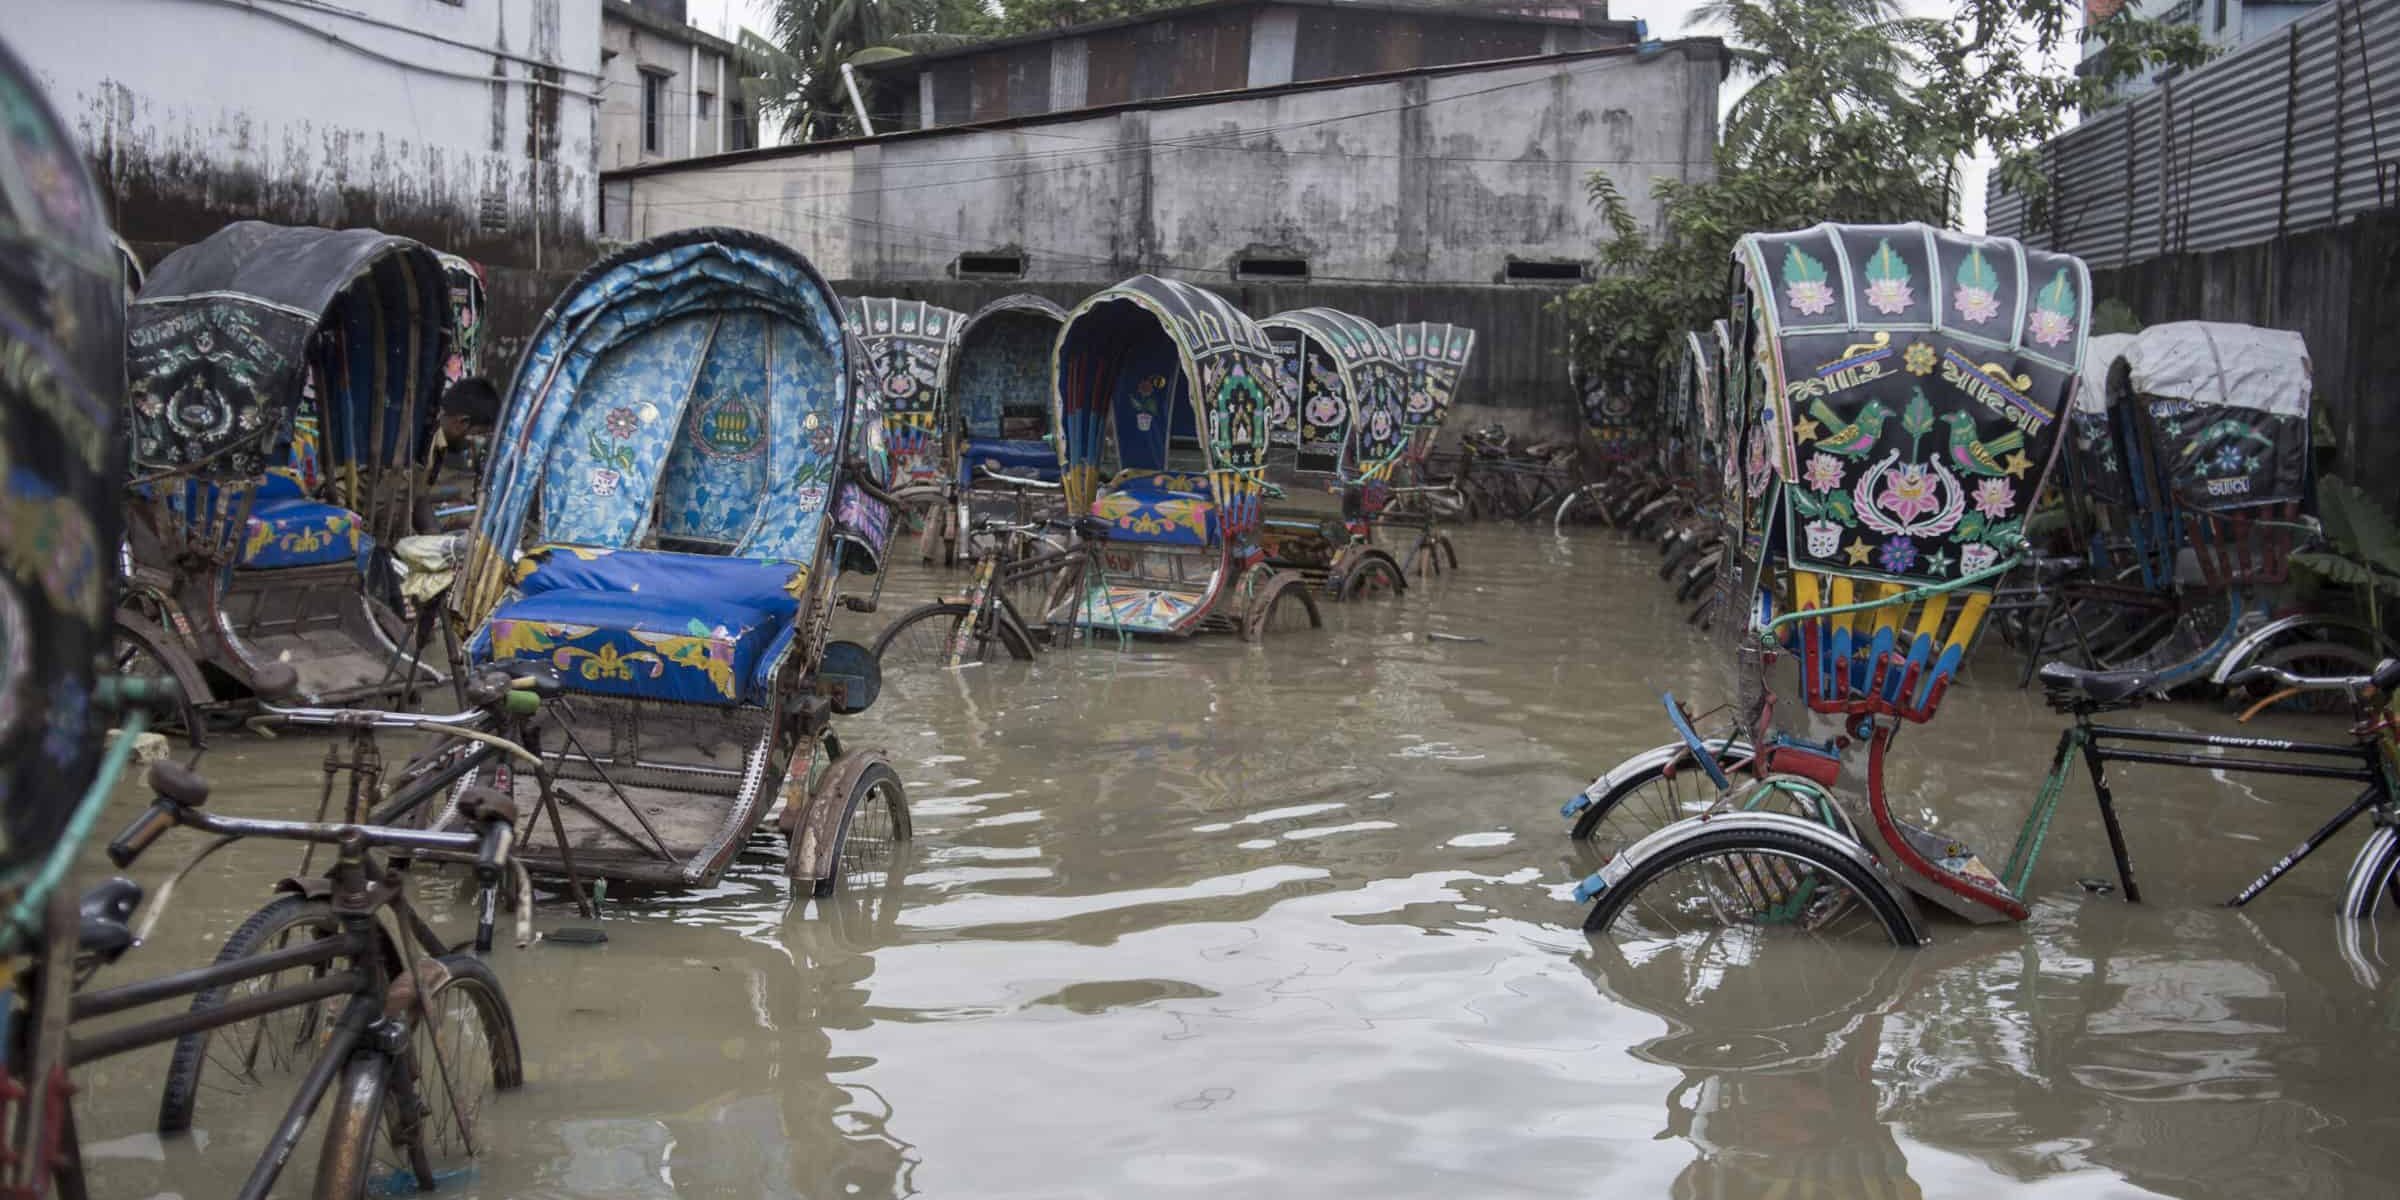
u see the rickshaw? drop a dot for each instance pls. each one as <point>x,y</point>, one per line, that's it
<point>1436,356</point>
<point>284,383</point>
<point>1903,390</point>
<point>688,463</point>
<point>1000,387</point>
<point>1163,398</point>
<point>909,345</point>
<point>1334,437</point>
<point>465,278</point>
<point>2193,518</point>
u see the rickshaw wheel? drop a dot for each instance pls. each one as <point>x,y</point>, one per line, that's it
<point>139,653</point>
<point>1281,605</point>
<point>1373,578</point>
<point>873,820</point>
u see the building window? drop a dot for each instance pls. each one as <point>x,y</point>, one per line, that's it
<point>654,112</point>
<point>741,138</point>
<point>1262,266</point>
<point>707,104</point>
<point>1000,265</point>
<point>2220,16</point>
<point>1537,270</point>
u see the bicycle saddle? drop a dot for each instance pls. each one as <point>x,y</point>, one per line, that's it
<point>2052,568</point>
<point>2387,676</point>
<point>1092,529</point>
<point>2068,686</point>
<point>101,929</point>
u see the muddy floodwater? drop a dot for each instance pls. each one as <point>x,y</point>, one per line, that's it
<point>1214,919</point>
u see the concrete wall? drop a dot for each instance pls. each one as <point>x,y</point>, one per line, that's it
<point>467,124</point>
<point>1431,177</point>
<point>628,51</point>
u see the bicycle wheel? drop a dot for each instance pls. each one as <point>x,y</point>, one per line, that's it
<point>1580,510</point>
<point>1648,799</point>
<point>137,655</point>
<point>1751,879</point>
<point>874,822</point>
<point>264,1055</point>
<point>2374,879</point>
<point>462,1052</point>
<point>923,636</point>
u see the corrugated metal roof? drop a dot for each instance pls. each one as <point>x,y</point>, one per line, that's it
<point>2295,131</point>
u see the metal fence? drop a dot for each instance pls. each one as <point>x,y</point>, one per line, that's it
<point>2297,131</point>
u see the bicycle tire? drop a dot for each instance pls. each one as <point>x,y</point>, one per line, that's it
<point>1881,901</point>
<point>1625,800</point>
<point>2373,876</point>
<point>947,614</point>
<point>1580,508</point>
<point>361,1146</point>
<point>189,1068</point>
<point>852,856</point>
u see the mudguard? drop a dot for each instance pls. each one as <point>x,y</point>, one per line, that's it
<point>1651,759</point>
<point>1830,841</point>
<point>2251,644</point>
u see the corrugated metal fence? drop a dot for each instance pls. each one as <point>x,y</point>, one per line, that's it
<point>2297,131</point>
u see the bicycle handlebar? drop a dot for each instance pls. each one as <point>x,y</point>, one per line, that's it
<point>2263,673</point>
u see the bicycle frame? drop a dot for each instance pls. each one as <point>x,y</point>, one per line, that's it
<point>2092,743</point>
<point>360,891</point>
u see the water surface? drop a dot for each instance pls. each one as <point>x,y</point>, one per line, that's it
<point>1215,919</point>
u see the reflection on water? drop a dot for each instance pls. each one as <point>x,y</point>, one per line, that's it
<point>1290,920</point>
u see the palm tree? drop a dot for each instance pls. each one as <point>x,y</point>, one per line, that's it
<point>797,75</point>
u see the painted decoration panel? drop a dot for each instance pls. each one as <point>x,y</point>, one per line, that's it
<point>1908,453</point>
<point>597,484</point>
<point>713,477</point>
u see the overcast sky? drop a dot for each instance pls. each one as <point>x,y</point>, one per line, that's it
<point>1667,18</point>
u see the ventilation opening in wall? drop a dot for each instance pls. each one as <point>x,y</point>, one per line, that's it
<point>1269,266</point>
<point>991,266</point>
<point>1543,270</point>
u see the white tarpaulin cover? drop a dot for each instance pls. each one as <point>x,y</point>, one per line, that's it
<point>2208,362</point>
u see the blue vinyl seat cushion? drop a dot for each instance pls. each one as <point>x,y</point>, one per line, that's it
<point>294,532</point>
<point>1022,458</point>
<point>1159,506</point>
<point>691,628</point>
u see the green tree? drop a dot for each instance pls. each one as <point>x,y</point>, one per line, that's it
<point>1853,113</point>
<point>796,72</point>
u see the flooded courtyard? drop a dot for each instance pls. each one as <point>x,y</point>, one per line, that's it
<point>1294,919</point>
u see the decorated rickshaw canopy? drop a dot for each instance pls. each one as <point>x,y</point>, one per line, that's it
<point>1436,355</point>
<point>1000,373</point>
<point>1917,379</point>
<point>62,336</point>
<point>465,278</point>
<point>2226,410</point>
<point>908,344</point>
<point>218,347</point>
<point>1343,395</point>
<point>1157,366</point>
<point>2095,455</point>
<point>692,388</point>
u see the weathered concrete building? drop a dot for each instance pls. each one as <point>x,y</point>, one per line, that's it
<point>1451,192</point>
<point>467,124</point>
<point>1217,46</point>
<point>668,91</point>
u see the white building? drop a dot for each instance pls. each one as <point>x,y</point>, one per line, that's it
<point>2224,24</point>
<point>668,91</point>
<point>468,124</point>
